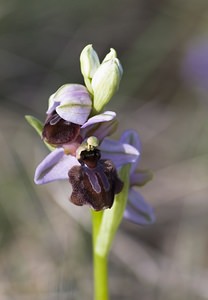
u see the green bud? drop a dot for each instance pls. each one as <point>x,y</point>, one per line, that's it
<point>89,62</point>
<point>105,81</point>
<point>112,54</point>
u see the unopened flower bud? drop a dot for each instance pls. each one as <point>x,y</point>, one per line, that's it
<point>105,81</point>
<point>89,63</point>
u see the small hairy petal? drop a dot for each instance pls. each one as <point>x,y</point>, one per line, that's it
<point>118,152</point>
<point>55,166</point>
<point>104,117</point>
<point>103,129</point>
<point>138,210</point>
<point>100,125</point>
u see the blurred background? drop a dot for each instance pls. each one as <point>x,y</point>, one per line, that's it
<point>45,241</point>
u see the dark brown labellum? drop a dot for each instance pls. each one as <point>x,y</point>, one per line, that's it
<point>57,131</point>
<point>95,182</point>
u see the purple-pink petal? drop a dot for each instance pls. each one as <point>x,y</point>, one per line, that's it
<point>75,103</point>
<point>140,178</point>
<point>138,210</point>
<point>55,166</point>
<point>195,64</point>
<point>119,153</point>
<point>131,137</point>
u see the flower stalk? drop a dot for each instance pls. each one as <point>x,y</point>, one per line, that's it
<point>104,226</point>
<point>100,263</point>
<point>112,217</point>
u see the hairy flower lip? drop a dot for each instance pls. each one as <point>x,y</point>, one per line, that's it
<point>95,182</point>
<point>57,131</point>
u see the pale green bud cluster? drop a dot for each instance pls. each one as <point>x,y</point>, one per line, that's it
<point>102,80</point>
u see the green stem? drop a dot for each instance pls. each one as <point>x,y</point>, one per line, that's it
<point>111,218</point>
<point>100,277</point>
<point>100,263</point>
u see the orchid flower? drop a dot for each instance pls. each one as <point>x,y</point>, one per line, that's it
<point>102,172</point>
<point>72,118</point>
<point>58,166</point>
<point>55,165</point>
